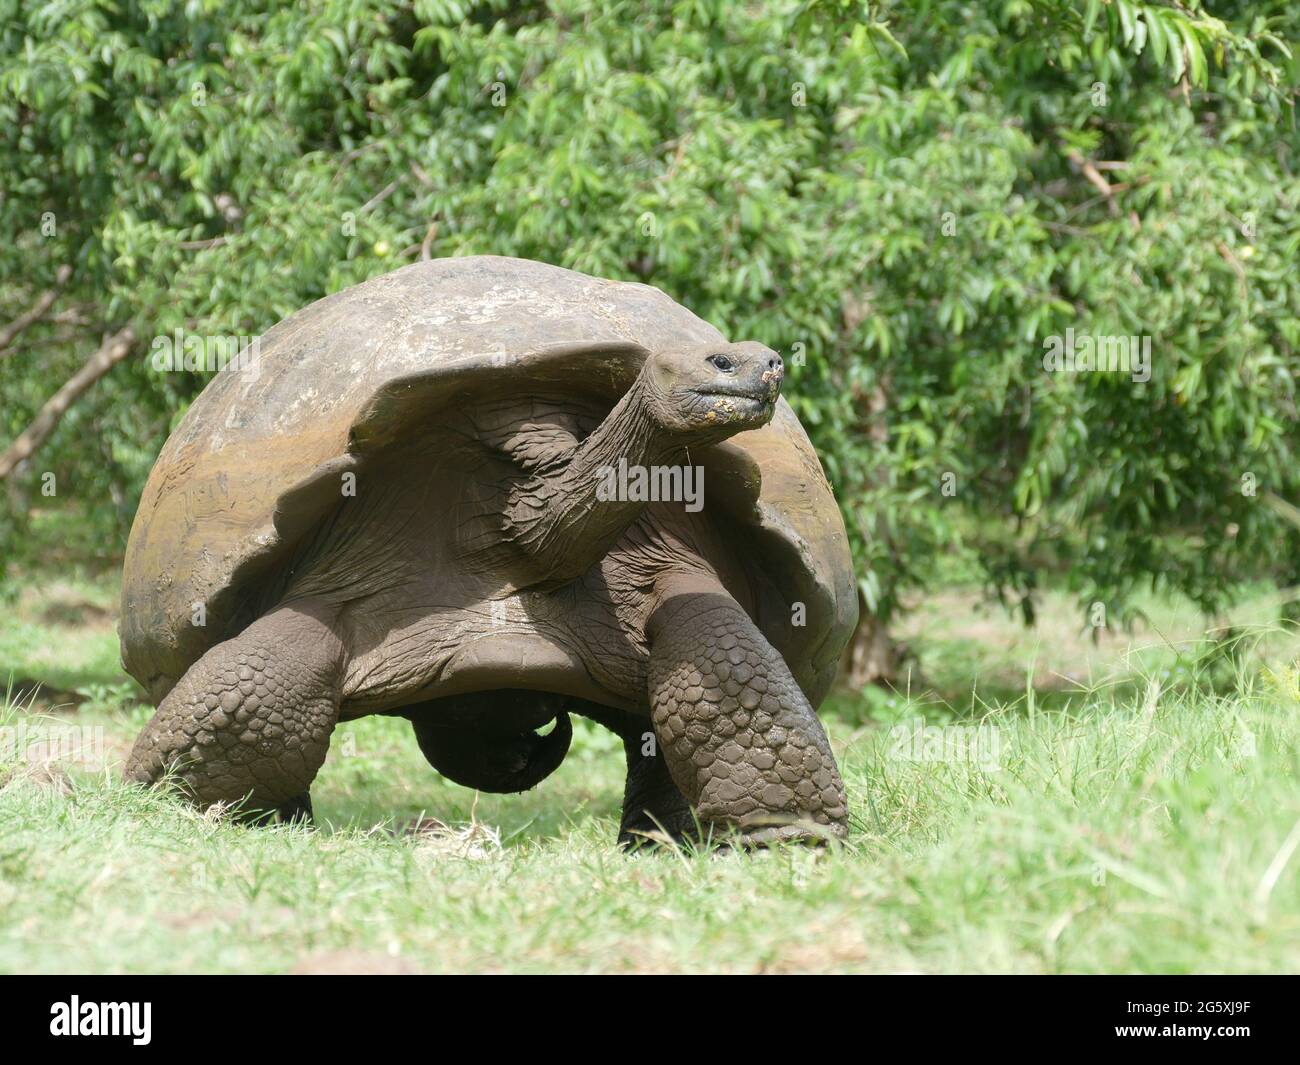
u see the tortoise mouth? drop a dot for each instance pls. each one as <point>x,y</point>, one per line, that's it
<point>739,404</point>
<point>766,397</point>
<point>737,408</point>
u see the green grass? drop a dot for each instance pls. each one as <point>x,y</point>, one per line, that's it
<point>1148,825</point>
<point>60,631</point>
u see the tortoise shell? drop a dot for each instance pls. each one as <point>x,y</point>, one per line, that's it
<point>254,465</point>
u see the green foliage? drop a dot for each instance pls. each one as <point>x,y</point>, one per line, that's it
<point>897,196</point>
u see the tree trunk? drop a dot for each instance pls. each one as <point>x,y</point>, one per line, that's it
<point>871,657</point>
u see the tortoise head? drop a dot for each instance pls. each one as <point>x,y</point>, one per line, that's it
<point>712,389</point>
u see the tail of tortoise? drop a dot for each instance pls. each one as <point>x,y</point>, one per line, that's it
<point>501,761</point>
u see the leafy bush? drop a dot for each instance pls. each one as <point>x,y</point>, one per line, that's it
<point>907,199</point>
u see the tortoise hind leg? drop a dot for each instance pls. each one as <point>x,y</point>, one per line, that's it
<point>250,722</point>
<point>297,811</point>
<point>653,806</point>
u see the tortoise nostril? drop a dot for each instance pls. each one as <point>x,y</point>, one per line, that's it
<point>774,363</point>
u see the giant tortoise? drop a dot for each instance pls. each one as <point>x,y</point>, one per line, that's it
<point>440,495</point>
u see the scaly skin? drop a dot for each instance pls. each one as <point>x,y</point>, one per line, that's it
<point>738,735</point>
<point>250,722</point>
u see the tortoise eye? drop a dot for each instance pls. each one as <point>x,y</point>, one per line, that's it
<point>722,363</point>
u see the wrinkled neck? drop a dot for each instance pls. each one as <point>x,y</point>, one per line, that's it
<point>561,518</point>
<point>629,432</point>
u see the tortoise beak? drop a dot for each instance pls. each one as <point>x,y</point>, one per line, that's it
<point>771,374</point>
<point>771,379</point>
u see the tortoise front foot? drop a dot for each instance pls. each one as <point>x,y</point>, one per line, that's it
<point>249,724</point>
<point>738,736</point>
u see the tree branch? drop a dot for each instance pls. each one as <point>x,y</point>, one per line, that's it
<point>379,197</point>
<point>1095,180</point>
<point>427,244</point>
<point>37,311</point>
<point>110,353</point>
<point>201,245</point>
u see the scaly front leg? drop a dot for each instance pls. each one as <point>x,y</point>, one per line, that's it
<point>250,722</point>
<point>739,737</point>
